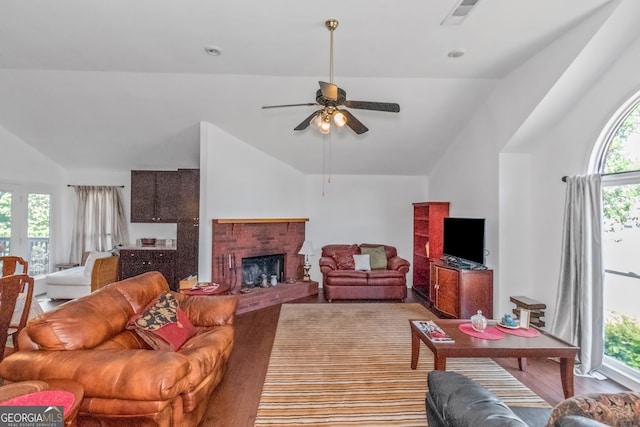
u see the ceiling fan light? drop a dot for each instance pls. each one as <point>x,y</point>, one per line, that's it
<point>324,127</point>
<point>315,121</point>
<point>339,118</point>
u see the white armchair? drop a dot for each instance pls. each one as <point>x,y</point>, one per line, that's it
<point>97,270</point>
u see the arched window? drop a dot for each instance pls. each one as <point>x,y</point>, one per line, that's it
<point>618,160</point>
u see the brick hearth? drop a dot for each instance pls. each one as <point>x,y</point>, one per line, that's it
<point>283,292</point>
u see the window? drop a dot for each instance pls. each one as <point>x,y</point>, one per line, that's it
<point>25,226</point>
<point>619,163</point>
<point>38,209</point>
<point>5,223</point>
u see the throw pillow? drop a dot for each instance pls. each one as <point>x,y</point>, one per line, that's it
<point>362,262</point>
<point>613,409</point>
<point>162,324</point>
<point>91,260</point>
<point>378,257</point>
<point>344,260</point>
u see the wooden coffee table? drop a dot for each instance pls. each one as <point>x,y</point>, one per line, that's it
<point>544,345</point>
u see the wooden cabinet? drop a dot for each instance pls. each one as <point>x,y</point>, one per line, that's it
<point>428,224</point>
<point>460,293</point>
<point>188,222</point>
<point>137,261</point>
<point>173,197</point>
<point>154,196</point>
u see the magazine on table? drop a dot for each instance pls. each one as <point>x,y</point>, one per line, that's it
<point>432,331</point>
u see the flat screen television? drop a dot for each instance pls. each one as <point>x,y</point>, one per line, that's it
<point>464,239</point>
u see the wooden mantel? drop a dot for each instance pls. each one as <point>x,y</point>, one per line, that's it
<point>258,220</point>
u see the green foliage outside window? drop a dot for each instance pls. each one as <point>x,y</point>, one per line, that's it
<point>39,207</point>
<point>622,339</point>
<point>621,209</point>
<point>5,214</point>
<point>38,221</point>
<point>617,202</point>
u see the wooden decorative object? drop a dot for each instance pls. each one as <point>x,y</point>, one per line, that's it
<point>536,309</point>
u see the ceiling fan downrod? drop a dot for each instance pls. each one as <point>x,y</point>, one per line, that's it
<point>331,25</point>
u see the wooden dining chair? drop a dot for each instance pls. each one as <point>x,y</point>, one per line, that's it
<point>23,308</point>
<point>10,263</point>
<point>9,289</point>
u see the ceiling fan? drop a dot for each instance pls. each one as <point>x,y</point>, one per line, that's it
<point>330,97</point>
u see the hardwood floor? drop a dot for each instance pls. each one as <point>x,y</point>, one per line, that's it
<point>235,401</point>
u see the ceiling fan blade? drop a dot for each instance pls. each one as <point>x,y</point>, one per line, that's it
<point>329,90</point>
<point>391,107</point>
<point>306,122</point>
<point>288,105</point>
<point>355,124</point>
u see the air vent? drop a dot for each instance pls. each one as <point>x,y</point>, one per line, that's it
<point>459,13</point>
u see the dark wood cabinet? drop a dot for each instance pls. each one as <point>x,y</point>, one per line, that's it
<point>188,222</point>
<point>167,196</point>
<point>154,196</point>
<point>428,223</point>
<point>460,293</point>
<point>137,261</point>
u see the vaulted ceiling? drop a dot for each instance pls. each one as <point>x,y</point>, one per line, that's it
<point>123,84</point>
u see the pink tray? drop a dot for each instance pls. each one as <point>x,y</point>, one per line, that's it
<point>491,333</point>
<point>521,332</point>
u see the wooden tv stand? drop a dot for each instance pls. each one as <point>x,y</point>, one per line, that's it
<point>459,293</point>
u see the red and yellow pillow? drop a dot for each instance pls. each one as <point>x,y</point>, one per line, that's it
<point>162,324</point>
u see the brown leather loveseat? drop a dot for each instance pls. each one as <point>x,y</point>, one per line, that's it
<point>126,381</point>
<point>386,278</point>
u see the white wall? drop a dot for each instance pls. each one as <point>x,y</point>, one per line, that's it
<point>541,122</point>
<point>363,209</point>
<point>24,170</point>
<point>566,150</point>
<point>508,161</point>
<point>239,181</point>
<point>24,167</point>
<point>564,146</point>
<point>515,235</point>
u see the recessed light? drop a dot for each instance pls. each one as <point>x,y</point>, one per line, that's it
<point>213,50</point>
<point>456,53</point>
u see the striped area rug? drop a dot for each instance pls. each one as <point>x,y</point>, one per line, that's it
<point>349,365</point>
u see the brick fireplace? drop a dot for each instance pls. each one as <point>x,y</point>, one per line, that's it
<point>236,239</point>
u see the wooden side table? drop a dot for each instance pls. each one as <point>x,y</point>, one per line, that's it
<point>70,416</point>
<point>26,393</point>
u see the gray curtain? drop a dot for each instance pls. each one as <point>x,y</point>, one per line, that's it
<point>579,313</point>
<point>100,220</point>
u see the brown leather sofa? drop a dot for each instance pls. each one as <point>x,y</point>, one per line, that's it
<point>342,281</point>
<point>126,382</point>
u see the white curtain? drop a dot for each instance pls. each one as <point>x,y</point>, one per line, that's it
<point>579,313</point>
<point>100,221</point>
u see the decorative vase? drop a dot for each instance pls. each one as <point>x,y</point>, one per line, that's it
<point>508,320</point>
<point>274,280</point>
<point>479,322</point>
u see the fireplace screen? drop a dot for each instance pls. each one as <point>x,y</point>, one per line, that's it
<point>257,269</point>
